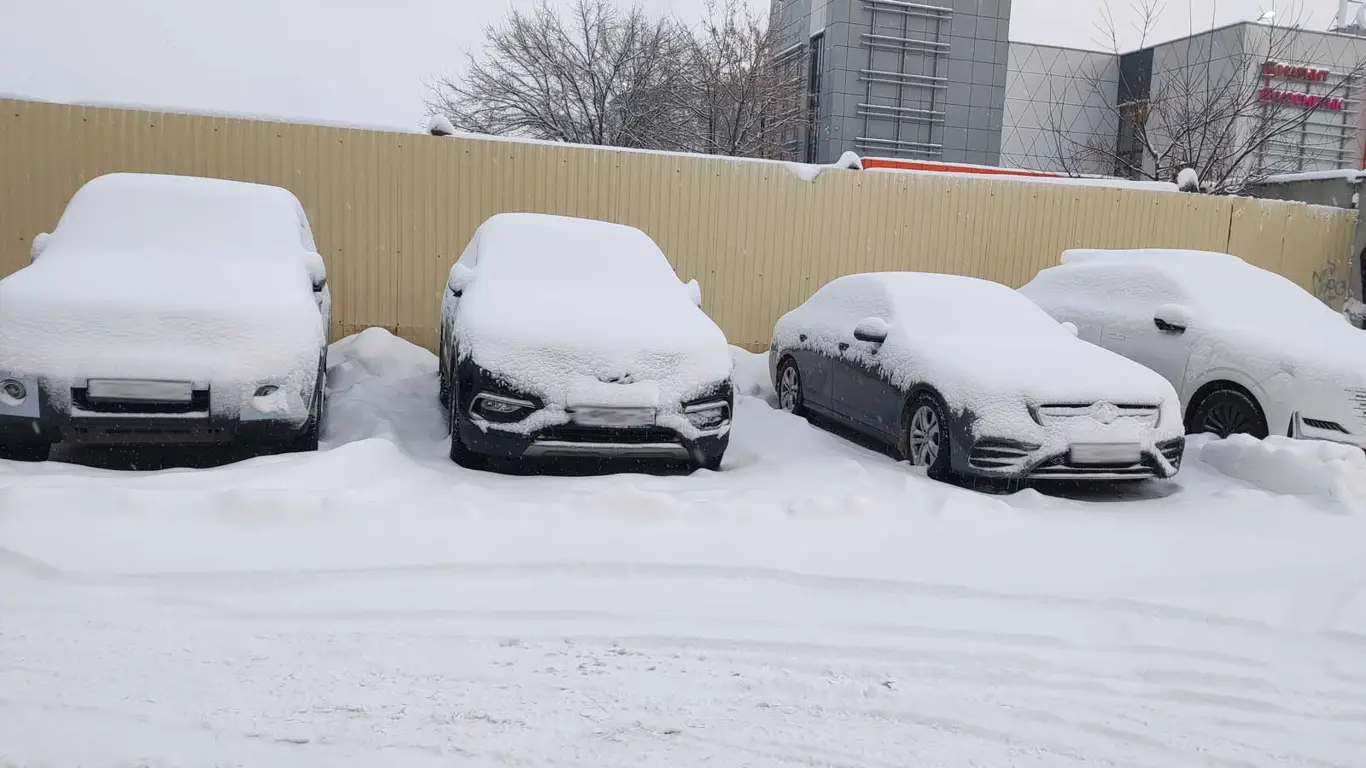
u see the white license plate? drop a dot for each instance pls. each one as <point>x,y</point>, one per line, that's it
<point>614,417</point>
<point>133,389</point>
<point>1106,453</point>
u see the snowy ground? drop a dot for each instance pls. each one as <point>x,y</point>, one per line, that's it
<point>814,604</point>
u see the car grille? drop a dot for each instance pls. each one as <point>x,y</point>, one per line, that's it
<point>1059,413</point>
<point>573,433</point>
<point>198,403</point>
<point>1059,469</point>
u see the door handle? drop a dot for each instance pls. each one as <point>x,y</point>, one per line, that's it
<point>844,345</point>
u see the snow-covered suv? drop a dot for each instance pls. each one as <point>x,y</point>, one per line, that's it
<point>166,310</point>
<point>568,337</point>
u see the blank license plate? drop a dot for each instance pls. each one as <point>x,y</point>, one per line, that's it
<point>132,389</point>
<point>614,417</point>
<point>1106,453</point>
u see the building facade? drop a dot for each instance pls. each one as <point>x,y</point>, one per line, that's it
<point>922,80</point>
<point>1254,98</point>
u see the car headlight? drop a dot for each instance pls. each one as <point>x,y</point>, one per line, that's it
<point>710,415</point>
<point>500,408</point>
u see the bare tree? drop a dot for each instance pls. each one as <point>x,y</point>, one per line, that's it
<point>1214,111</point>
<point>741,97</point>
<point>592,75</point>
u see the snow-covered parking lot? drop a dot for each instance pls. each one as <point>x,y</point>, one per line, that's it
<point>814,604</point>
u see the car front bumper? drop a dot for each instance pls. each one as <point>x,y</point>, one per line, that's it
<point>570,441</point>
<point>37,419</point>
<point>1009,459</point>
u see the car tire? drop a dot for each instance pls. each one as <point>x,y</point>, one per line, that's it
<point>460,454</point>
<point>25,451</point>
<point>1228,411</point>
<point>789,388</point>
<point>710,463</point>
<point>925,441</point>
<point>443,394</point>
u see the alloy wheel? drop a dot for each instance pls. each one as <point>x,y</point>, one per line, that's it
<point>1227,418</point>
<point>924,438</point>
<point>789,389</point>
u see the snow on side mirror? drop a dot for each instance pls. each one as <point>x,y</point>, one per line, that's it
<point>1172,318</point>
<point>460,278</point>
<point>872,329</point>
<point>39,243</point>
<point>1070,327</point>
<point>317,271</point>
<point>694,290</point>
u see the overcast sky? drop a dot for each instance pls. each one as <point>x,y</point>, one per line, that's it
<point>366,61</point>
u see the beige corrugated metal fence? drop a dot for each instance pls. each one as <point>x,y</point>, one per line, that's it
<point>391,211</point>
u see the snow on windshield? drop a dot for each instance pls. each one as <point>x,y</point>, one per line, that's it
<point>965,306</point>
<point>181,214</point>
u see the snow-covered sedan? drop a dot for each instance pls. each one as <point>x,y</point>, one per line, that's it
<point>565,337</point>
<point>1248,350</point>
<point>967,377</point>
<point>166,310</point>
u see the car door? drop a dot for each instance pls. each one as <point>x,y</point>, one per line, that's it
<point>863,396</point>
<point>815,370</point>
<point>1165,351</point>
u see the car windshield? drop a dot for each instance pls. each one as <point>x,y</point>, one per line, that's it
<point>545,253</point>
<point>967,306</point>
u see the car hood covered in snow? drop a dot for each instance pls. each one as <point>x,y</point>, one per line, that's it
<point>571,310</point>
<point>79,314</point>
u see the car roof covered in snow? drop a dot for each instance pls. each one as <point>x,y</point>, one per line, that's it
<point>560,250</point>
<point>953,303</point>
<point>150,212</point>
<point>1223,287</point>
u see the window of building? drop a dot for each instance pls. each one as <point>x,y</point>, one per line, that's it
<point>815,63</point>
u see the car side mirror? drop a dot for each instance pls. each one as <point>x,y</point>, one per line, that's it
<point>694,292</point>
<point>459,280</point>
<point>1172,318</point>
<point>39,244</point>
<point>872,329</point>
<point>317,271</point>
<point>1070,327</point>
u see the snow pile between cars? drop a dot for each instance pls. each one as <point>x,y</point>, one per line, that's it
<point>374,381</point>
<point>1289,467</point>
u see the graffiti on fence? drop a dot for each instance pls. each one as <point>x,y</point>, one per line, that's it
<point>1329,286</point>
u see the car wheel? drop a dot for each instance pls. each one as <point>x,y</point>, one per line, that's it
<point>927,435</point>
<point>444,388</point>
<point>460,454</point>
<point>1226,412</point>
<point>790,397</point>
<point>25,451</point>
<point>711,463</point>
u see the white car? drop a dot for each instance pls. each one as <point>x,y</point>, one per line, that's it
<point>166,310</point>
<point>1248,350</point>
<point>565,337</point>
<point>966,377</point>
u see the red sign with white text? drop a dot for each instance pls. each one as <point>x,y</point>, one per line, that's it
<point>1292,72</point>
<point>1306,100</point>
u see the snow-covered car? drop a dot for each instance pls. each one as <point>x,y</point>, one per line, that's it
<point>967,377</point>
<point>1248,350</point>
<point>565,337</point>
<point>166,310</point>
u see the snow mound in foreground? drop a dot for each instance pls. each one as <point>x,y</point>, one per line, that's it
<point>1292,467</point>
<point>751,375</point>
<point>390,388</point>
